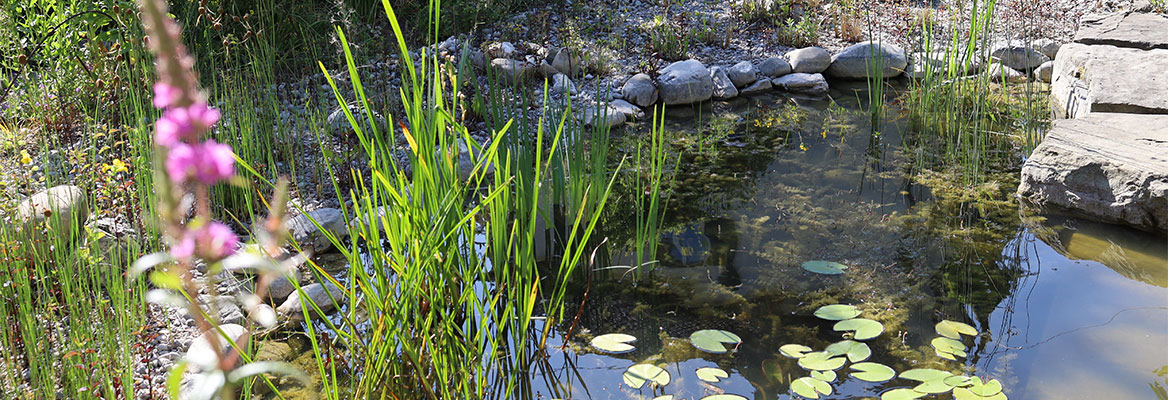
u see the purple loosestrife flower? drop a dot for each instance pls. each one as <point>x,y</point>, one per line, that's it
<point>165,95</point>
<point>184,124</point>
<point>212,242</point>
<point>209,162</point>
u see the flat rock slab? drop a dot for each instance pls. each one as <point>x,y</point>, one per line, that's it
<point>1135,30</point>
<point>1102,78</point>
<point>1111,167</point>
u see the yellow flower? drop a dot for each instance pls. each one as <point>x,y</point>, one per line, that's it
<point>25,158</point>
<point>803,147</point>
<point>117,166</point>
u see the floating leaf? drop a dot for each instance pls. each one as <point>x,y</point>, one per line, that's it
<point>954,329</point>
<point>794,350</point>
<point>933,387</point>
<point>810,388</point>
<point>665,397</point>
<point>947,356</point>
<point>837,312</point>
<point>966,394</point>
<point>824,267</point>
<point>925,374</point>
<point>855,351</point>
<point>712,375</point>
<point>872,372</point>
<point>724,397</point>
<point>864,328</point>
<point>615,343</point>
<point>901,394</point>
<point>821,361</point>
<point>948,346</point>
<point>986,389</point>
<point>958,381</point>
<point>637,375</point>
<point>713,340</point>
<point>826,376</point>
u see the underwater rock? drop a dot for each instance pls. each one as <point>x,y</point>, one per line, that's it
<point>640,90</point>
<point>744,73</point>
<point>685,82</point>
<point>853,62</point>
<point>304,232</point>
<point>723,86</point>
<point>809,60</point>
<point>65,207</point>
<point>774,67</point>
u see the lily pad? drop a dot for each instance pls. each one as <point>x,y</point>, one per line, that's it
<point>872,372</point>
<point>966,394</point>
<point>954,329</point>
<point>826,376</point>
<point>794,350</point>
<point>933,387</point>
<point>712,375</point>
<point>665,397</point>
<point>837,312</point>
<point>821,361</point>
<point>615,343</point>
<point>724,397</point>
<point>810,388</point>
<point>864,328</point>
<point>986,389</point>
<point>824,267</point>
<point>925,374</point>
<point>901,394</point>
<point>958,381</point>
<point>946,346</point>
<point>856,351</point>
<point>637,375</point>
<point>713,340</point>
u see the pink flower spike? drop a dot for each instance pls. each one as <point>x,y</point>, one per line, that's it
<point>184,248</point>
<point>217,241</point>
<point>184,124</point>
<point>165,95</point>
<point>181,161</point>
<point>216,162</point>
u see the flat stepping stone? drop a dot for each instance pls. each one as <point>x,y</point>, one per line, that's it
<point>1135,30</point>
<point>1103,78</point>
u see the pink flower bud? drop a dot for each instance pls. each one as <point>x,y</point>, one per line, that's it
<point>165,95</point>
<point>184,124</point>
<point>209,162</point>
<point>216,241</point>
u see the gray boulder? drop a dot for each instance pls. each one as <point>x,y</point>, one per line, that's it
<point>758,87</point>
<point>561,84</point>
<point>1048,47</point>
<point>1017,55</point>
<point>685,82</point>
<point>628,109</point>
<point>304,232</point>
<point>1103,78</point>
<point>640,90</point>
<point>859,60</point>
<point>568,61</point>
<point>1044,71</point>
<point>802,83</point>
<point>1001,73</point>
<point>510,71</point>
<point>744,73</point>
<point>65,207</point>
<point>202,352</point>
<point>723,86</point>
<point>606,117</point>
<point>1140,30</point>
<point>323,295</point>
<point>809,60</point>
<point>774,67</point>
<point>501,50</point>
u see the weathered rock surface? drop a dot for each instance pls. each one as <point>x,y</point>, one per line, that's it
<point>1045,71</point>
<point>1144,31</point>
<point>1112,167</point>
<point>774,67</point>
<point>601,117</point>
<point>202,352</point>
<point>323,295</point>
<point>802,83</point>
<point>307,234</point>
<point>1103,78</point>
<point>859,60</point>
<point>758,87</point>
<point>723,86</point>
<point>640,90</point>
<point>568,61</point>
<point>65,207</point>
<point>1001,73</point>
<point>744,73</point>
<point>809,60</point>
<point>510,71</point>
<point>685,82</point>
<point>1048,47</point>
<point>1017,55</point>
<point>561,84</point>
<point>628,109</point>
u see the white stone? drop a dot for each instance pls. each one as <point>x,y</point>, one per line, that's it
<point>809,60</point>
<point>685,82</point>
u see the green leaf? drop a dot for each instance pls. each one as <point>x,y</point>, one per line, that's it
<point>924,374</point>
<point>713,340</point>
<point>864,328</point>
<point>712,375</point>
<point>615,343</point>
<point>794,350</point>
<point>724,397</point>
<point>872,372</point>
<point>856,351</point>
<point>826,376</point>
<point>948,346</point>
<point>810,388</point>
<point>901,394</point>
<point>824,267</point>
<point>166,280</point>
<point>966,394</point>
<point>935,386</point>
<point>986,389</point>
<point>665,397</point>
<point>821,361</point>
<point>637,375</point>
<point>954,329</point>
<point>958,381</point>
<point>837,312</point>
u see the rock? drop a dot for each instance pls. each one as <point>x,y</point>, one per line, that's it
<point>809,60</point>
<point>339,122</point>
<point>628,109</point>
<point>568,62</point>
<point>547,70</point>
<point>1103,78</point>
<point>802,83</point>
<point>65,207</point>
<point>229,312</point>
<point>640,90</point>
<point>562,85</point>
<point>744,73</point>
<point>202,352</point>
<point>271,350</point>
<point>774,67</point>
<point>1048,47</point>
<point>501,50</point>
<point>858,60</point>
<point>758,87</point>
<point>510,71</point>
<point>356,223</point>
<point>723,86</point>
<point>1001,73</point>
<point>1017,55</point>
<point>940,62</point>
<point>1144,31</point>
<point>304,232</point>
<point>323,295</point>
<point>606,117</point>
<point>1044,71</point>
<point>685,82</point>
<point>1112,167</point>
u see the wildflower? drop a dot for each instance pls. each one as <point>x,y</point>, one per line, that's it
<point>184,123</point>
<point>25,158</point>
<point>209,162</point>
<point>165,95</point>
<point>213,242</point>
<point>116,166</point>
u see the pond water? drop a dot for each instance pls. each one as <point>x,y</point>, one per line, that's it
<point>1065,308</point>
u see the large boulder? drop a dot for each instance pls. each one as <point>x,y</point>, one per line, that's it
<point>761,86</point>
<point>202,352</point>
<point>774,67</point>
<point>1044,71</point>
<point>510,71</point>
<point>801,83</point>
<point>1017,55</point>
<point>723,86</point>
<point>606,117</point>
<point>1144,31</point>
<point>860,60</point>
<point>1102,78</point>
<point>307,234</point>
<point>64,207</point>
<point>685,82</point>
<point>326,297</point>
<point>744,73</point>
<point>809,60</point>
<point>568,61</point>
<point>1111,167</point>
<point>640,90</point>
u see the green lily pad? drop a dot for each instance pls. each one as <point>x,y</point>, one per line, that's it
<point>986,389</point>
<point>615,343</point>
<point>821,361</point>
<point>810,388</point>
<point>966,394</point>
<point>824,267</point>
<point>936,386</point>
<point>947,356</point>
<point>872,372</point>
<point>713,340</point>
<point>958,381</point>
<point>794,350</point>
<point>901,394</point>
<point>837,312</point>
<point>946,346</point>
<point>925,374</point>
<point>856,351</point>
<point>712,375</point>
<point>954,329</point>
<point>724,397</point>
<point>826,376</point>
<point>864,328</point>
<point>637,375</point>
<point>665,397</point>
